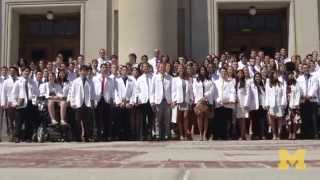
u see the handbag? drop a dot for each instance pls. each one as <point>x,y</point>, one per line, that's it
<point>201,107</point>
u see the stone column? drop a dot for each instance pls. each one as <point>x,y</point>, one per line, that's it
<point>145,25</point>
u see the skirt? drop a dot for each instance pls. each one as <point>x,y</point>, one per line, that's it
<point>276,111</point>
<point>183,107</point>
<point>241,113</point>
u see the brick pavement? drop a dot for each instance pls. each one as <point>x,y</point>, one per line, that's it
<point>173,154</point>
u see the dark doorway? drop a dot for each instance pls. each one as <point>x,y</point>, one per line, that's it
<point>44,39</point>
<point>267,31</point>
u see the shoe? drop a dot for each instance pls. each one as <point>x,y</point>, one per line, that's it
<point>63,123</point>
<point>53,122</point>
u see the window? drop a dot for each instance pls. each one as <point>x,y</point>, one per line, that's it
<point>247,23</point>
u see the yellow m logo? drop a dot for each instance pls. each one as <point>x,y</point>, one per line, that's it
<point>297,159</point>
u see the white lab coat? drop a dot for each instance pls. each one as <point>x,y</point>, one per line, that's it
<point>6,89</point>
<point>312,89</point>
<point>80,94</point>
<point>177,91</point>
<point>109,88</point>
<point>294,97</point>
<point>209,92</point>
<point>276,95</point>
<point>143,88</point>
<point>18,92</point>
<point>124,92</point>
<point>159,86</point>
<point>45,89</point>
<point>225,92</point>
<point>252,99</point>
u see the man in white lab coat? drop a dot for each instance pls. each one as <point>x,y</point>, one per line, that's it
<point>6,101</point>
<point>124,100</point>
<point>142,95</point>
<point>104,87</point>
<point>82,100</point>
<point>310,86</point>
<point>24,94</point>
<point>161,99</point>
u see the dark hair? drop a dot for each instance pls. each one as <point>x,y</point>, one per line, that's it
<point>65,79</point>
<point>83,68</point>
<point>133,55</point>
<point>273,81</point>
<point>291,81</point>
<point>202,77</point>
<point>15,68</point>
<point>25,68</point>
<point>259,85</point>
<point>240,81</point>
<point>24,61</point>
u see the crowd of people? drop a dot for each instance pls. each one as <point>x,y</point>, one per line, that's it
<point>251,95</point>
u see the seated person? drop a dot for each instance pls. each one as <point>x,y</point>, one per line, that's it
<point>54,93</point>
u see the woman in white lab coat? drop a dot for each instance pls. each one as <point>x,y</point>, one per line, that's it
<point>52,92</point>
<point>181,97</point>
<point>242,113</point>
<point>203,98</point>
<point>276,102</point>
<point>255,102</point>
<point>294,98</point>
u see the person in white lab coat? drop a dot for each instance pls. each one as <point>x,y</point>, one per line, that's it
<point>276,101</point>
<point>255,103</point>
<point>226,99</point>
<point>124,100</point>
<point>294,97</point>
<point>82,98</point>
<point>24,93</point>
<point>203,98</point>
<point>161,99</point>
<point>104,87</point>
<point>242,114</point>
<point>53,92</point>
<point>6,101</point>
<point>310,87</point>
<point>143,95</point>
<point>182,98</point>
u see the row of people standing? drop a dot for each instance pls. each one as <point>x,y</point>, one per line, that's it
<point>119,103</point>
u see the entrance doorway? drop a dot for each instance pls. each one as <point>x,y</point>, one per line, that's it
<point>44,39</point>
<point>241,32</point>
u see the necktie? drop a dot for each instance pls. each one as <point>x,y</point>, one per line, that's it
<point>147,84</point>
<point>84,94</point>
<point>125,80</point>
<point>222,90</point>
<point>26,89</point>
<point>307,84</point>
<point>163,90</point>
<point>102,85</point>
